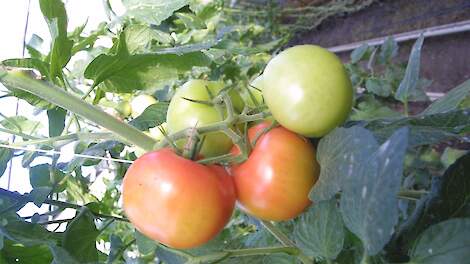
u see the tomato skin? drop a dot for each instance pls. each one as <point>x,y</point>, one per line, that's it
<point>184,114</point>
<point>140,103</point>
<point>274,182</point>
<point>176,201</point>
<point>308,90</point>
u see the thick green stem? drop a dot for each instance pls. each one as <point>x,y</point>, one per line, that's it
<point>72,103</point>
<point>242,253</point>
<point>69,137</point>
<point>279,235</point>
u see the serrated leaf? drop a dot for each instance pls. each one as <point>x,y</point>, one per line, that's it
<point>56,118</point>
<point>378,87</point>
<point>369,205</point>
<point>371,109</point>
<point>320,232</point>
<point>359,53</point>
<point>424,130</point>
<point>80,237</point>
<point>446,242</point>
<point>39,195</point>
<point>338,153</point>
<point>450,101</point>
<point>5,157</point>
<point>388,50</point>
<point>125,73</point>
<point>411,78</point>
<point>153,116</point>
<point>152,11</point>
<point>139,38</point>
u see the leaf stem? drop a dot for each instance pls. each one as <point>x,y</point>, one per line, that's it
<point>242,253</point>
<point>74,104</point>
<point>69,137</point>
<point>279,235</point>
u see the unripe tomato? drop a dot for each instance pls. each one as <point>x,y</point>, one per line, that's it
<point>308,90</point>
<point>176,201</point>
<point>184,114</point>
<point>124,108</point>
<point>140,103</point>
<point>274,182</point>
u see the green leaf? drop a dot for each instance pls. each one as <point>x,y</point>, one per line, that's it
<point>29,63</point>
<point>139,38</point>
<point>126,73</point>
<point>39,195</point>
<point>61,256</point>
<point>320,231</point>
<point>21,124</point>
<point>337,153</point>
<point>144,244</point>
<point>80,237</point>
<point>40,176</point>
<point>448,198</point>
<point>368,203</point>
<point>115,248</point>
<point>378,87</point>
<point>450,101</point>
<point>450,155</point>
<point>26,233</point>
<point>17,253</point>
<point>446,242</point>
<point>5,157</point>
<point>410,81</point>
<point>371,109</point>
<point>61,47</point>
<point>359,53</point>
<point>167,255</point>
<point>56,117</point>
<point>190,21</point>
<point>153,116</point>
<point>425,130</point>
<point>152,11</point>
<point>97,150</point>
<point>388,50</point>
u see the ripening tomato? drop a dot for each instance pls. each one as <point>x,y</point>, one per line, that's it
<point>307,89</point>
<point>274,182</point>
<point>176,201</point>
<point>184,114</point>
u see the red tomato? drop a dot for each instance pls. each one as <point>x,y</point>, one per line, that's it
<point>176,201</point>
<point>274,182</point>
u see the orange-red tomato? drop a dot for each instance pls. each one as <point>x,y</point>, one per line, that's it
<point>274,182</point>
<point>176,201</point>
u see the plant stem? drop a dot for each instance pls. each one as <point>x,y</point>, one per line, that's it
<point>25,198</point>
<point>242,253</point>
<point>405,108</point>
<point>69,137</point>
<point>279,235</point>
<point>17,133</point>
<point>72,103</point>
<point>411,194</point>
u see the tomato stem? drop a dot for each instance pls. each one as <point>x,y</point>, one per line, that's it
<point>74,104</point>
<point>243,253</point>
<point>279,235</point>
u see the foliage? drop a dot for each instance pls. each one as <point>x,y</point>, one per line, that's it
<point>387,191</point>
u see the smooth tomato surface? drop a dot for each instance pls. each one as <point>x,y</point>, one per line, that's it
<point>176,201</point>
<point>274,182</point>
<point>183,114</point>
<point>307,90</point>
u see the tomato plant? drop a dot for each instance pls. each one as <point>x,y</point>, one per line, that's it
<point>185,112</point>
<point>274,182</point>
<point>177,208</point>
<point>85,181</point>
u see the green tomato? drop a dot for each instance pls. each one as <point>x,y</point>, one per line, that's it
<point>307,89</point>
<point>183,114</point>
<point>124,108</point>
<point>140,103</point>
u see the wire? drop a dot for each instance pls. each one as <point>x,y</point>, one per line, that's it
<point>59,152</point>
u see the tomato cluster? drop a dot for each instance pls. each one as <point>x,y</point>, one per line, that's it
<point>183,204</point>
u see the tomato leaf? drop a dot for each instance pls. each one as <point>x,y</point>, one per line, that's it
<point>21,124</point>
<point>359,53</point>
<point>410,81</point>
<point>39,195</point>
<point>368,203</point>
<point>98,150</point>
<point>448,198</point>
<point>446,242</point>
<point>26,233</point>
<point>61,256</point>
<point>320,231</point>
<point>80,237</point>
<point>153,116</point>
<point>152,11</point>
<point>5,157</point>
<point>17,253</point>
<point>115,248</point>
<point>379,87</point>
<point>425,130</point>
<point>388,50</point>
<point>450,101</point>
<point>166,255</point>
<point>144,244</point>
<point>338,153</point>
<point>56,117</point>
